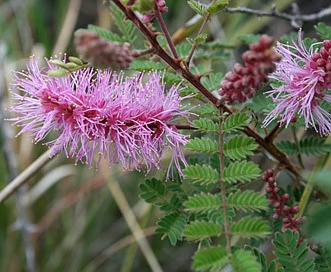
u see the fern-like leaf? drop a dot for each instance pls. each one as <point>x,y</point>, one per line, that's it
<point>183,49</point>
<point>151,190</point>
<point>201,173</point>
<point>245,261</point>
<point>324,31</point>
<point>239,147</point>
<point>198,7</point>
<point>250,227</point>
<point>173,78</point>
<point>200,230</point>
<point>206,110</point>
<point>146,65</point>
<point>241,171</point>
<point>291,254</point>
<point>202,203</point>
<point>307,146</point>
<point>288,147</point>
<point>262,260</point>
<point>126,27</point>
<point>206,125</point>
<point>173,205</point>
<point>203,145</point>
<point>171,226</point>
<point>106,34</point>
<point>210,259</point>
<point>212,82</point>
<point>314,146</point>
<point>235,122</point>
<point>323,261</point>
<point>217,215</point>
<point>247,201</point>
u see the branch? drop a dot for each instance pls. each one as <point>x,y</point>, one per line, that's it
<point>195,81</point>
<point>295,17</point>
<point>165,32</point>
<point>194,46</point>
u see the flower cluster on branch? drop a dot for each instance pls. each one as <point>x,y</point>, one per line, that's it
<point>101,113</point>
<point>305,76</point>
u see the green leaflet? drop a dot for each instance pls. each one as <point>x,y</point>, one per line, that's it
<point>210,259</point>
<point>262,260</point>
<point>323,30</point>
<point>235,121</point>
<point>203,203</point>
<point>212,82</point>
<point>239,147</point>
<point>151,190</point>
<point>200,230</point>
<point>244,261</point>
<point>247,201</point>
<point>126,27</point>
<point>206,125</point>
<point>202,173</point>
<point>183,49</point>
<point>307,146</point>
<point>250,227</point>
<point>203,145</point>
<point>291,254</point>
<point>217,6</point>
<point>205,110</point>
<point>146,65</point>
<point>106,34</point>
<point>154,191</point>
<point>198,7</point>
<point>171,225</point>
<point>323,261</point>
<point>241,171</point>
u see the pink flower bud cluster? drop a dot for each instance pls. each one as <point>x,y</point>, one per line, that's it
<point>322,60</point>
<point>102,53</point>
<point>246,79</point>
<point>278,202</point>
<point>161,6</point>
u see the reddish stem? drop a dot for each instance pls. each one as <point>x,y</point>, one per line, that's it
<point>195,81</point>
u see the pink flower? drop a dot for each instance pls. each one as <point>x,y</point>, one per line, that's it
<point>101,114</point>
<point>306,78</point>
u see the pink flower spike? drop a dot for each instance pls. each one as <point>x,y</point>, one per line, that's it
<point>306,81</point>
<point>101,115</point>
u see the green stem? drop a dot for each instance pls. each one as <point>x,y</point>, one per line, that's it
<point>226,222</point>
<point>322,161</point>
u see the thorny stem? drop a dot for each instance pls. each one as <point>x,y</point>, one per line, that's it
<point>221,155</point>
<point>195,81</point>
<point>194,46</point>
<point>166,32</point>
